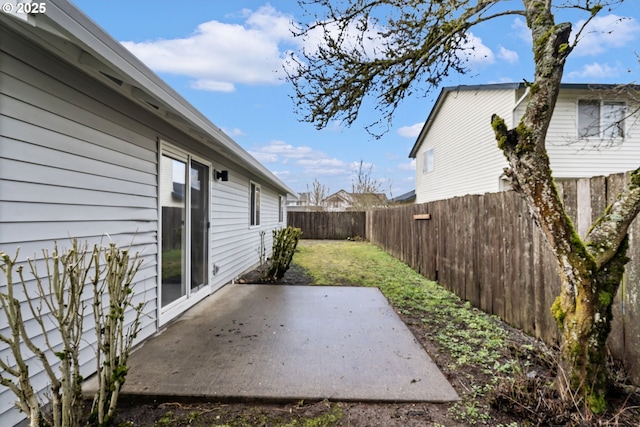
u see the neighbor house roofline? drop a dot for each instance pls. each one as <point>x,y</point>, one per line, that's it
<point>497,86</point>
<point>76,38</point>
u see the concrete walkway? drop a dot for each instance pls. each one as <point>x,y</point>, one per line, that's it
<point>284,343</point>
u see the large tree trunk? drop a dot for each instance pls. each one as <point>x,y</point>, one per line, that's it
<point>590,270</point>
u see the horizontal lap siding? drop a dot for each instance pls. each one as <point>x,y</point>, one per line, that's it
<point>74,162</point>
<point>573,158</point>
<point>235,245</point>
<point>466,157</point>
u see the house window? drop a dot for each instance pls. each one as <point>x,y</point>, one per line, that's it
<point>601,119</point>
<point>255,204</point>
<point>281,205</point>
<point>428,161</point>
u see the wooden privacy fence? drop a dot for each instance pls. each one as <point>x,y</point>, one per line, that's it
<point>328,225</point>
<point>487,250</point>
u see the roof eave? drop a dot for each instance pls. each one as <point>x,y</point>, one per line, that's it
<point>104,54</point>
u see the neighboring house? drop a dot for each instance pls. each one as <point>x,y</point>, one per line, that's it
<point>343,201</point>
<point>405,199</point>
<point>94,145</point>
<point>302,203</point>
<point>456,152</point>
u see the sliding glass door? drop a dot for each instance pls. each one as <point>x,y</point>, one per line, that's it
<point>184,197</point>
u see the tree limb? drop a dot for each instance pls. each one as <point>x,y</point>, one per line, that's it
<point>608,232</point>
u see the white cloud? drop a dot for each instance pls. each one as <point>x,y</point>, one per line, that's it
<point>604,33</point>
<point>282,174</point>
<point>279,151</point>
<point>519,26</point>
<point>285,150</point>
<point>233,132</point>
<point>507,55</point>
<point>321,163</point>
<point>595,71</point>
<point>476,52</point>
<point>312,163</point>
<point>411,166</point>
<point>212,85</point>
<point>219,55</point>
<point>264,157</point>
<point>411,131</point>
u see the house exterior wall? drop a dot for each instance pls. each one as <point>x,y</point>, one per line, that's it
<point>235,245</point>
<point>79,160</point>
<point>466,158</point>
<point>572,157</point>
<point>62,174</point>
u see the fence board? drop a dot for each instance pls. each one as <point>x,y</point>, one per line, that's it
<point>497,257</point>
<point>329,225</point>
<point>472,270</point>
<point>616,342</point>
<point>528,270</point>
<point>631,316</point>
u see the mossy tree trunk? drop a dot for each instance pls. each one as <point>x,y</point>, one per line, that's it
<point>590,269</point>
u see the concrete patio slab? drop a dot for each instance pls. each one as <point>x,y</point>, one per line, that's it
<point>273,342</point>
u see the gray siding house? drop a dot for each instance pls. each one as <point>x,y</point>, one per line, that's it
<point>94,145</point>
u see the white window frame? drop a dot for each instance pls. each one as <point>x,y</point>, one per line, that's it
<point>610,122</point>
<point>282,203</point>
<point>428,161</point>
<point>255,204</point>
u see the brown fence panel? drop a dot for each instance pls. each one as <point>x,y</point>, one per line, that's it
<point>488,250</point>
<point>616,341</point>
<point>329,225</point>
<point>631,298</point>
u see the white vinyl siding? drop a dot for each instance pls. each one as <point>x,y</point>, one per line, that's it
<point>71,166</point>
<point>574,157</point>
<point>234,246</point>
<point>468,159</point>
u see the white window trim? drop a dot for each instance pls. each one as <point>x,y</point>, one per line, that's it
<point>602,128</point>
<point>282,206</point>
<point>255,219</point>
<point>428,160</point>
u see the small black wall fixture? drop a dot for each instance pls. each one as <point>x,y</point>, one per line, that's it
<point>223,175</point>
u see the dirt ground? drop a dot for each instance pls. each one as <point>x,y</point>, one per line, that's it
<point>506,408</point>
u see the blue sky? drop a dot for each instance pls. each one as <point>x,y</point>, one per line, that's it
<point>226,58</point>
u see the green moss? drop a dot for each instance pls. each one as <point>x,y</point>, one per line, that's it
<point>500,130</point>
<point>525,138</point>
<point>580,249</point>
<point>563,47</point>
<point>605,298</point>
<point>558,313</point>
<point>595,9</point>
<point>597,403</point>
<point>327,419</point>
<point>540,44</point>
<point>576,350</point>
